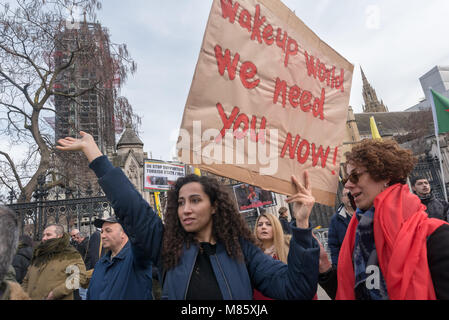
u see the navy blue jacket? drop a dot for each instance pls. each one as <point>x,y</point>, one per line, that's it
<point>236,279</point>
<point>337,231</point>
<point>123,278</point>
<point>128,276</point>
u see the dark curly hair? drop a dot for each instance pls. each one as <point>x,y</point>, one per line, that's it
<point>228,225</point>
<point>383,159</point>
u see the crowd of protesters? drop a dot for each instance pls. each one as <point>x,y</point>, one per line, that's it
<point>385,241</point>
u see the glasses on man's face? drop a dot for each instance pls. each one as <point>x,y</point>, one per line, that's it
<point>354,177</point>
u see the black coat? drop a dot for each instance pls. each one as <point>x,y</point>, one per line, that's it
<point>89,249</point>
<point>82,248</point>
<point>93,250</point>
<point>437,258</point>
<point>21,262</point>
<point>285,225</point>
<point>337,231</point>
<point>436,208</point>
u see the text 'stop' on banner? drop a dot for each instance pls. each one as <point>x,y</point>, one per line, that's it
<point>268,99</point>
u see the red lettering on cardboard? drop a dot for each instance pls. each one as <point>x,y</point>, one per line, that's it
<point>267,35</point>
<point>242,118</point>
<point>258,22</point>
<point>238,119</point>
<point>301,149</point>
<point>317,155</point>
<point>253,25</point>
<point>228,10</point>
<point>245,20</point>
<point>317,69</point>
<point>318,103</point>
<point>291,147</point>
<point>247,71</point>
<point>227,122</point>
<point>224,62</point>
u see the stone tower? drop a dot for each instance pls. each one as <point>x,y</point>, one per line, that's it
<point>372,104</point>
<point>130,157</point>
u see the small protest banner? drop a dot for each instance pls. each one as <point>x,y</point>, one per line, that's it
<point>250,197</point>
<point>160,175</point>
<point>268,99</point>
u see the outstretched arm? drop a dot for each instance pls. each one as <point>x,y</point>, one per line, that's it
<point>299,278</point>
<point>86,144</point>
<point>142,225</point>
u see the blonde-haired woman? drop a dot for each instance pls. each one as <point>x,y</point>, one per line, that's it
<point>271,239</point>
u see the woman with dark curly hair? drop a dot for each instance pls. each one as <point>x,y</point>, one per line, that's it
<point>392,249</point>
<point>205,250</point>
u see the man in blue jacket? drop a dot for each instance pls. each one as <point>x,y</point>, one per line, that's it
<point>122,273</point>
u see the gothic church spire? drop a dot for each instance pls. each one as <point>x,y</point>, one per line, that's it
<point>372,103</point>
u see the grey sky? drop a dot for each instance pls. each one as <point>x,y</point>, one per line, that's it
<point>395,42</point>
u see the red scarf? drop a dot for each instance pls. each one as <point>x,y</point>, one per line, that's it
<point>401,227</point>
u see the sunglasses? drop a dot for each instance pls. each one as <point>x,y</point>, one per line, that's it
<point>353,177</point>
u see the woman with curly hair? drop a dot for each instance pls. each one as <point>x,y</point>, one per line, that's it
<point>205,250</point>
<point>392,249</point>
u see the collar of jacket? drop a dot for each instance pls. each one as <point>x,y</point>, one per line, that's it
<point>178,278</point>
<point>426,198</point>
<point>342,211</point>
<point>48,250</point>
<point>120,256</point>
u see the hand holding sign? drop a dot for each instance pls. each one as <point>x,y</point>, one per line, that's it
<point>303,201</point>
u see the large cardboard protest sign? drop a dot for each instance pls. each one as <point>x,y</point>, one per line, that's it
<point>268,99</point>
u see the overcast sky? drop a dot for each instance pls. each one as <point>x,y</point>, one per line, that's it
<point>395,42</point>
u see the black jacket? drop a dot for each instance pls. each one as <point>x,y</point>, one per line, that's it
<point>21,262</point>
<point>337,231</point>
<point>93,253</point>
<point>82,248</point>
<point>89,249</point>
<point>437,258</point>
<point>285,225</point>
<point>436,208</point>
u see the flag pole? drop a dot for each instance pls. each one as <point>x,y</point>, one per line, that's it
<point>441,167</point>
<point>435,122</point>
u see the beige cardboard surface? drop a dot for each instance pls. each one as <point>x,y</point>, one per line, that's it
<point>279,96</point>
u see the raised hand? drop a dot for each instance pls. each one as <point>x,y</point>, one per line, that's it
<point>86,144</point>
<point>302,200</point>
